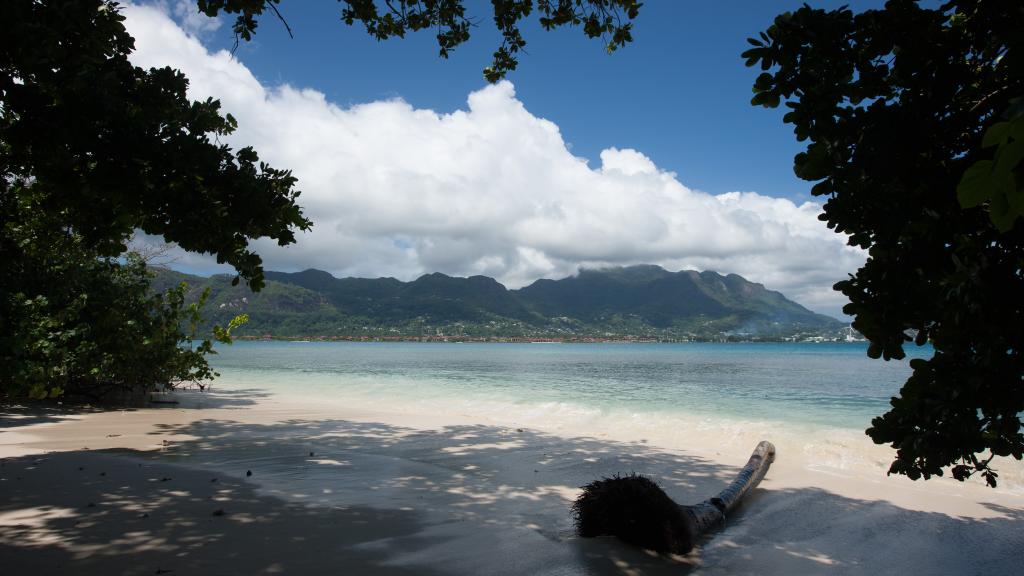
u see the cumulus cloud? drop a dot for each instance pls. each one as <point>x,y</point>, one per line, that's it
<point>191,20</point>
<point>491,189</point>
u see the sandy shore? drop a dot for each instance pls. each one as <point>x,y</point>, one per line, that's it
<point>336,490</point>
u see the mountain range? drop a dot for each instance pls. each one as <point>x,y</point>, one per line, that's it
<point>636,301</point>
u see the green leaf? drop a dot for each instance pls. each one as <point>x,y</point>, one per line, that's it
<point>874,351</point>
<point>996,134</point>
<point>1015,195</point>
<point>1017,129</point>
<point>813,164</point>
<point>37,392</point>
<point>763,82</point>
<point>1008,156</point>
<point>976,184</point>
<point>1001,214</point>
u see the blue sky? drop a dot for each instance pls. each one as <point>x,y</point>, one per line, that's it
<point>680,92</point>
<point>411,164</point>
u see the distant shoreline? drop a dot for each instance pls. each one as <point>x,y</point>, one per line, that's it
<point>551,340</point>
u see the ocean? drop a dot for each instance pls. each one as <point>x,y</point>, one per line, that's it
<point>813,400</point>
<point>832,384</point>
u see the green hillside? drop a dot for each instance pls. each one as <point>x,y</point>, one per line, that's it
<point>639,301</point>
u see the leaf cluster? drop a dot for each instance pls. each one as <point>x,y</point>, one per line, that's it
<point>93,149</point>
<point>110,148</point>
<point>912,141</point>
<point>610,20</point>
<point>81,325</point>
<point>999,182</point>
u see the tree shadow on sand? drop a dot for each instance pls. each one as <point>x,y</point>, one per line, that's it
<point>468,499</point>
<point>21,414</point>
<point>210,398</point>
<point>14,416</point>
<point>106,514</point>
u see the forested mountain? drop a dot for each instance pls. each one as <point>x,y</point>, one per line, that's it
<point>643,301</point>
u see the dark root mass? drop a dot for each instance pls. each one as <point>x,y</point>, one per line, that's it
<point>636,510</point>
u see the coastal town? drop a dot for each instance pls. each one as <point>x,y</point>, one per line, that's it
<point>848,335</point>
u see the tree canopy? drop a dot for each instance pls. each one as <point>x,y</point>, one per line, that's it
<point>610,20</point>
<point>92,149</point>
<point>914,120</point>
<point>107,147</point>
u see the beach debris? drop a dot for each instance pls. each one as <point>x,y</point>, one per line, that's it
<point>164,479</point>
<point>248,472</point>
<point>213,479</point>
<point>310,453</point>
<point>636,510</point>
<point>103,473</point>
<point>162,571</point>
<point>218,512</point>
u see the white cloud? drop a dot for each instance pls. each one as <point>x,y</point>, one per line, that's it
<point>492,189</point>
<point>191,20</point>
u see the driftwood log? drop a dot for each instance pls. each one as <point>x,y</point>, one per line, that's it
<point>634,509</point>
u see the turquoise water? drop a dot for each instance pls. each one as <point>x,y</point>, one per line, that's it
<point>831,384</point>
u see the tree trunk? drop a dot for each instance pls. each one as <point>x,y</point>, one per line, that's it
<point>711,512</point>
<point>638,511</point>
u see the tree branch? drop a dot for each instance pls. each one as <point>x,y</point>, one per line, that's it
<point>281,18</point>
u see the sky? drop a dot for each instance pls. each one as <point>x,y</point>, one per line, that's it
<point>409,163</point>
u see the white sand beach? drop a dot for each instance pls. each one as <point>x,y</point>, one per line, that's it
<point>338,489</point>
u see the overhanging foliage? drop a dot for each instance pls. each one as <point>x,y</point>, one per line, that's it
<point>900,107</point>
<point>92,149</point>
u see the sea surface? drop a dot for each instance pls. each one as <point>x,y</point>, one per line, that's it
<point>814,400</point>
<point>832,384</point>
